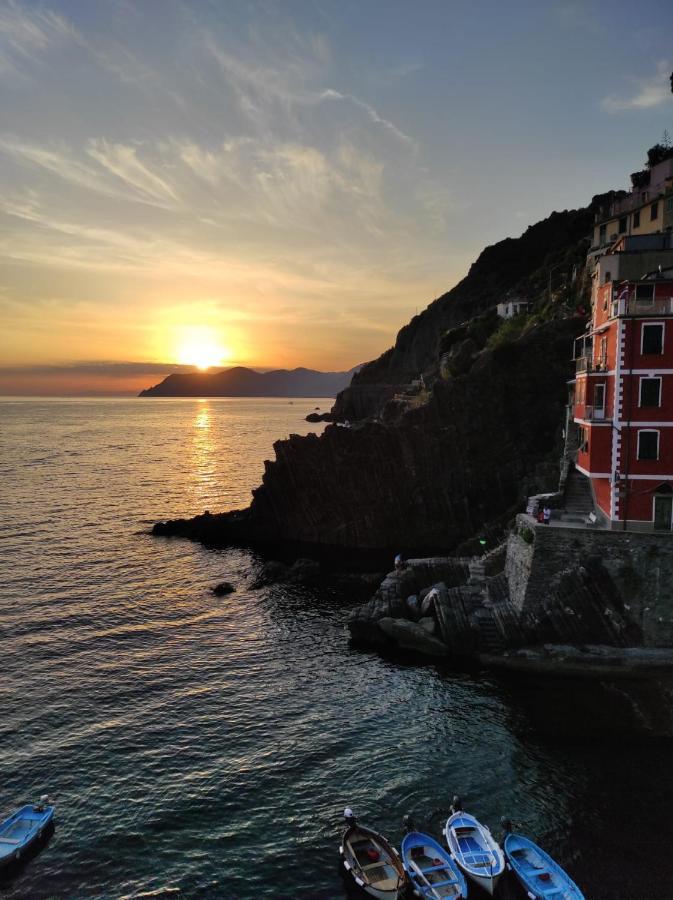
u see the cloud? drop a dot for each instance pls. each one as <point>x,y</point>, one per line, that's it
<point>26,33</point>
<point>123,162</point>
<point>97,368</point>
<point>650,92</point>
<point>373,115</point>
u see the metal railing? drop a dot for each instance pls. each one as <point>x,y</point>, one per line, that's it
<point>586,364</point>
<point>659,306</point>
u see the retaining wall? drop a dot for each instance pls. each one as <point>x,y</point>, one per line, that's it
<point>640,565</point>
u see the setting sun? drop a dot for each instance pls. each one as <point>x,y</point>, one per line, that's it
<point>198,345</point>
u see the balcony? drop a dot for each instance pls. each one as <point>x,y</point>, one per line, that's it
<point>586,364</point>
<point>596,414</point>
<point>660,306</point>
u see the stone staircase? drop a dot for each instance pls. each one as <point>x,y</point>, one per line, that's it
<point>578,500</point>
<point>490,637</point>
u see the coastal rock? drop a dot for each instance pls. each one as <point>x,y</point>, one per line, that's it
<point>320,417</point>
<point>427,623</point>
<point>302,571</point>
<point>222,589</point>
<point>272,572</point>
<point>412,636</point>
<point>428,604</point>
<point>413,608</point>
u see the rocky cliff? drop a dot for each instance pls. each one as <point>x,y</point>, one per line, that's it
<point>431,473</point>
<point>519,266</point>
<point>424,466</point>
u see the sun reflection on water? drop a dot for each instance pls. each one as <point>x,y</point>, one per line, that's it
<point>203,455</point>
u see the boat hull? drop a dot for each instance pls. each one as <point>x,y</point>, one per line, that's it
<point>431,869</point>
<point>472,846</point>
<point>356,876</point>
<point>536,871</point>
<point>21,831</point>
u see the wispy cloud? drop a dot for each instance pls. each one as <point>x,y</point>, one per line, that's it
<point>123,162</point>
<point>373,115</point>
<point>649,92</point>
<point>26,32</point>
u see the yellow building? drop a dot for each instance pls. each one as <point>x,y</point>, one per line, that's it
<point>647,209</point>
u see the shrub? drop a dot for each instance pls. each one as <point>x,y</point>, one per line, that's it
<point>510,331</point>
<point>527,535</point>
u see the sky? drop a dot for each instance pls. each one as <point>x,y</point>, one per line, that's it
<point>286,183</point>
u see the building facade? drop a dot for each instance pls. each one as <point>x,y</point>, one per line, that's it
<point>512,307</point>
<point>623,400</point>
<point>647,209</point>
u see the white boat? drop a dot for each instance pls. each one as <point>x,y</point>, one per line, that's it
<point>475,850</point>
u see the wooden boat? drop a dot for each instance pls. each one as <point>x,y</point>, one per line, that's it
<point>432,872</point>
<point>370,862</point>
<point>23,828</point>
<point>539,874</point>
<point>475,850</point>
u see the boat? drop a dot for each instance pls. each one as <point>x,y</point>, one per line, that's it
<point>369,862</point>
<point>432,872</point>
<point>23,828</point>
<point>475,850</point>
<point>537,872</point>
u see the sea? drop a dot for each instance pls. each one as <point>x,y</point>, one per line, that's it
<point>205,747</point>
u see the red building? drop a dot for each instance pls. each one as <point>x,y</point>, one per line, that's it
<point>623,399</point>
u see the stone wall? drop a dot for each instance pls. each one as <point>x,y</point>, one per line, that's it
<point>640,566</point>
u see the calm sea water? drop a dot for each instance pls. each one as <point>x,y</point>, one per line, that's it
<point>204,747</point>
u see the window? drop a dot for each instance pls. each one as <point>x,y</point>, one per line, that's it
<point>608,277</point>
<point>654,211</point>
<point>623,225</point>
<point>645,292</point>
<point>599,397</point>
<point>648,445</point>
<point>603,358</point>
<point>669,204</point>
<point>652,339</point>
<point>636,219</point>
<point>650,392</point>
<point>601,234</point>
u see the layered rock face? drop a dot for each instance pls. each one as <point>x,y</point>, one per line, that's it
<point>429,475</point>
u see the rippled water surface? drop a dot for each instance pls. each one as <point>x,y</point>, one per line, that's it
<point>203,747</point>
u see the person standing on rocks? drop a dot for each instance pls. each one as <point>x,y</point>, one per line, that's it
<point>546,515</point>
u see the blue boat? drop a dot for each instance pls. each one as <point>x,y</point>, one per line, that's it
<point>542,878</point>
<point>432,872</point>
<point>475,850</point>
<point>23,828</point>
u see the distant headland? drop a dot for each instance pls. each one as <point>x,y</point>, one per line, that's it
<point>242,382</point>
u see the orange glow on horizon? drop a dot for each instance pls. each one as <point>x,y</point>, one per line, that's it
<point>199,345</point>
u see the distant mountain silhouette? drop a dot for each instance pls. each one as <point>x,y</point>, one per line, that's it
<point>242,382</point>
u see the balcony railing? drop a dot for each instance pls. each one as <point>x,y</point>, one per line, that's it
<point>596,413</point>
<point>586,364</point>
<point>660,306</point>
